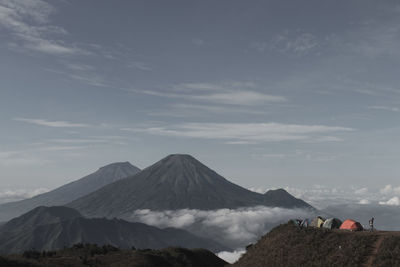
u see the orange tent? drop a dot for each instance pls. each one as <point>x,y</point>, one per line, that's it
<point>351,225</point>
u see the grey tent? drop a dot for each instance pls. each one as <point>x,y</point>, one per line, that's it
<point>332,223</point>
<point>296,222</point>
<point>317,222</point>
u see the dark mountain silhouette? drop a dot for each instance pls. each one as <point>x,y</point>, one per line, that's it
<point>40,216</point>
<point>71,191</point>
<point>50,228</point>
<point>81,255</point>
<point>176,182</point>
<point>281,198</point>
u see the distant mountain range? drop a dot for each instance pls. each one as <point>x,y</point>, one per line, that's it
<point>50,228</point>
<point>71,191</point>
<point>176,182</point>
<point>117,191</point>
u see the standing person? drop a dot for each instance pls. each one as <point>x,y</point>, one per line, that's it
<point>371,224</point>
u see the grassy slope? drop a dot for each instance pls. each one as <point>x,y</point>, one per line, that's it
<point>288,245</point>
<point>92,255</point>
<point>389,252</point>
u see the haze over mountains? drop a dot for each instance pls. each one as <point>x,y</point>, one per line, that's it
<point>71,191</point>
<point>177,182</point>
<point>49,228</point>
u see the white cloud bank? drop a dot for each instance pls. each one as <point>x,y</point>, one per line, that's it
<point>390,189</point>
<point>235,228</point>
<point>231,257</point>
<point>394,201</point>
<point>364,201</point>
<point>9,195</point>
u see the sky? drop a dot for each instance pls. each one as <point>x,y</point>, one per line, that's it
<point>269,94</point>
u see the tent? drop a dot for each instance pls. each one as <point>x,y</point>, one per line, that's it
<point>295,222</point>
<point>351,225</point>
<point>304,223</point>
<point>317,222</point>
<point>332,223</point>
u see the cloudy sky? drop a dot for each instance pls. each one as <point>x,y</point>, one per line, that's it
<point>268,93</point>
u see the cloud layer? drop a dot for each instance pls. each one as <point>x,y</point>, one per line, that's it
<point>231,257</point>
<point>9,195</point>
<point>235,228</point>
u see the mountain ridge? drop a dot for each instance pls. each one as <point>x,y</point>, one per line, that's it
<point>70,191</point>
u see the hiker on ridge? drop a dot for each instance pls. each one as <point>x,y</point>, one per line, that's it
<point>371,224</point>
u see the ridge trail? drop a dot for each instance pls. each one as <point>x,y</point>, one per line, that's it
<point>374,252</point>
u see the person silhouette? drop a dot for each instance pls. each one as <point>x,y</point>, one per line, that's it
<point>371,224</point>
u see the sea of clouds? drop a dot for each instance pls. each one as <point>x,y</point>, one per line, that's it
<point>231,257</point>
<point>322,196</point>
<point>235,228</point>
<point>10,195</point>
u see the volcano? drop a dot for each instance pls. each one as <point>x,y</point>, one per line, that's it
<point>177,182</point>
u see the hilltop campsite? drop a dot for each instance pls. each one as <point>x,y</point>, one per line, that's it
<point>291,245</point>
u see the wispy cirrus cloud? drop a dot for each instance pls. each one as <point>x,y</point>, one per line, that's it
<point>28,21</point>
<point>198,42</point>
<point>202,110</point>
<point>394,109</point>
<point>246,132</point>
<point>140,66</point>
<point>227,93</point>
<point>303,154</point>
<point>29,28</point>
<point>20,158</point>
<point>57,124</point>
<point>290,43</point>
<point>63,148</point>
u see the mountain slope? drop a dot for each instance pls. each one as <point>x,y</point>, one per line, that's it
<point>175,182</point>
<point>66,227</point>
<point>71,191</point>
<point>91,255</point>
<point>40,216</point>
<point>281,198</point>
<point>288,245</point>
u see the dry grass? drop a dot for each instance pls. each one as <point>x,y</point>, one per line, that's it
<point>389,252</point>
<point>288,245</point>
